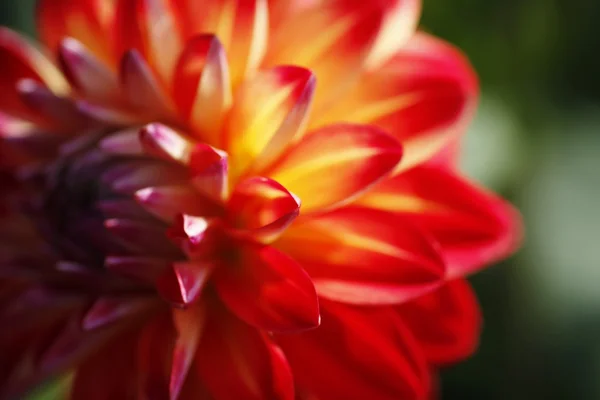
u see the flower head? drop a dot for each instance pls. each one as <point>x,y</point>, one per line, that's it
<point>237,199</point>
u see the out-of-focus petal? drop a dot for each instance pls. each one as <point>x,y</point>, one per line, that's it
<point>357,354</point>
<point>160,140</point>
<point>154,346</point>
<point>241,25</point>
<point>166,202</point>
<point>115,364</point>
<point>20,60</point>
<point>332,39</point>
<point>237,361</point>
<point>268,289</point>
<point>269,110</point>
<point>202,88</point>
<point>262,208</point>
<point>334,164</point>
<point>363,256</point>
<point>446,322</point>
<point>153,27</point>
<point>424,95</point>
<point>473,226</point>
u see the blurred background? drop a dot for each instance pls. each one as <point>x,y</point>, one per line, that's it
<point>536,140</point>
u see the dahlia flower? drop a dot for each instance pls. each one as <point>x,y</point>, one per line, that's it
<point>237,199</point>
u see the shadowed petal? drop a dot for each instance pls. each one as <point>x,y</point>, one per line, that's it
<point>358,354</point>
<point>473,226</point>
<point>201,87</point>
<point>20,60</point>
<point>334,164</point>
<point>268,289</point>
<point>166,202</point>
<point>237,361</point>
<point>446,322</point>
<point>182,284</point>
<point>209,169</point>
<point>363,256</point>
<point>262,208</point>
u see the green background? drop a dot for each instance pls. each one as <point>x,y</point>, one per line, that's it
<point>535,140</point>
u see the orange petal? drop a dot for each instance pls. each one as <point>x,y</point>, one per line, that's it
<point>241,25</point>
<point>236,361</point>
<point>268,289</point>
<point>201,86</point>
<point>268,111</point>
<point>424,95</point>
<point>334,164</point>
<point>358,354</point>
<point>88,21</point>
<point>262,208</point>
<point>153,27</point>
<point>446,322</point>
<point>20,60</point>
<point>363,256</point>
<point>332,39</point>
<point>473,226</point>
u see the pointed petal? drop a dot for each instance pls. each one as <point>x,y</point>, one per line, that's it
<point>446,322</point>
<point>124,142</point>
<point>88,21</point>
<point>142,238</point>
<point>201,87</point>
<point>136,177</point>
<point>210,171</point>
<point>189,324</point>
<point>363,256</point>
<point>237,361</point>
<point>182,284</point>
<point>87,73</point>
<point>20,60</point>
<point>333,165</point>
<point>473,226</point>
<point>268,111</point>
<point>145,269</point>
<point>268,289</point>
<point>160,140</point>
<point>108,310</point>
<point>424,95</point>
<point>335,41</point>
<point>142,89</point>
<point>166,202</point>
<point>241,25</point>
<point>153,28</point>
<point>357,354</point>
<point>262,208</point>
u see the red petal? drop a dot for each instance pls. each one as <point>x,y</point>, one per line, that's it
<point>269,111</point>
<point>154,348</point>
<point>189,324</point>
<point>263,208</point>
<point>87,73</point>
<point>20,60</point>
<point>88,21</point>
<point>335,40</point>
<point>108,310</point>
<point>268,289</point>
<point>473,226</point>
<point>201,87</point>
<point>210,170</point>
<point>182,284</point>
<point>241,25</point>
<point>236,362</point>
<point>334,164</point>
<point>446,322</point>
<point>358,354</point>
<point>364,256</point>
<point>152,27</point>
<point>424,95</point>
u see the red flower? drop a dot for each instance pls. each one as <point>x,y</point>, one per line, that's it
<point>237,199</point>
